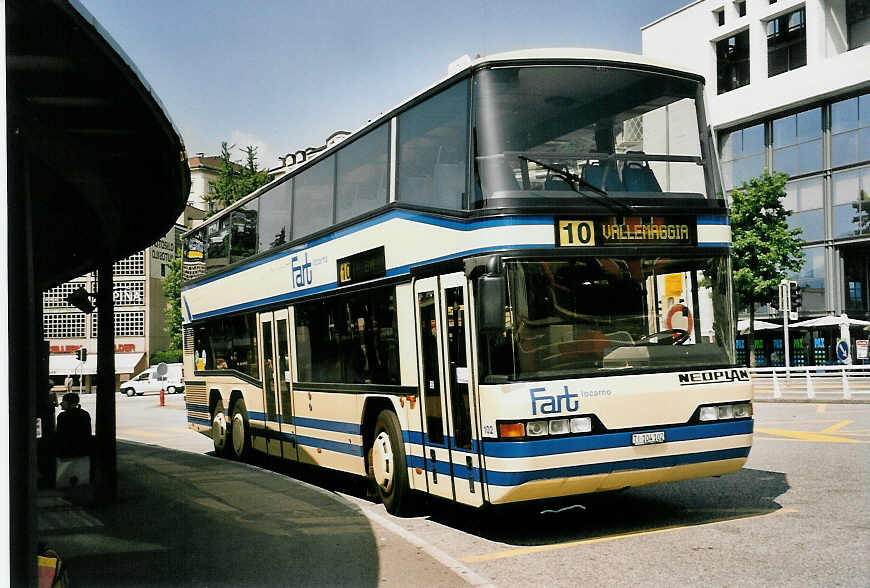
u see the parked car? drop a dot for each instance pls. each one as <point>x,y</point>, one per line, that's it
<point>147,382</point>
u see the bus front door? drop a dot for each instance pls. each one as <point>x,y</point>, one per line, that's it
<point>277,399</point>
<point>450,439</point>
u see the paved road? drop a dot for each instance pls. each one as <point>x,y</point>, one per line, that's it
<point>796,515</point>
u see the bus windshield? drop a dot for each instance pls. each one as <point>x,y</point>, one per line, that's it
<point>606,315</point>
<point>628,132</point>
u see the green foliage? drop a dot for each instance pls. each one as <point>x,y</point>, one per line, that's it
<point>167,356</point>
<point>172,291</point>
<point>235,180</point>
<point>765,249</point>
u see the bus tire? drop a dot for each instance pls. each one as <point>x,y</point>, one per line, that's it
<point>389,465</point>
<point>241,431</point>
<point>220,431</point>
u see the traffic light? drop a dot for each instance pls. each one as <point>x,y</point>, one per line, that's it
<point>82,354</point>
<point>795,296</point>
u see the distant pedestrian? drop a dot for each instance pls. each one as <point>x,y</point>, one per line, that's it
<point>73,435</point>
<point>68,383</point>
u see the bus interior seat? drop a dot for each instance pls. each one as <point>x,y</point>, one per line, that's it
<point>554,182</point>
<point>639,177</point>
<point>603,175</point>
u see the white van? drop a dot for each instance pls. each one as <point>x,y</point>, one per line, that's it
<point>147,382</point>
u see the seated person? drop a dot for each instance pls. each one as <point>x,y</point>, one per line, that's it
<point>73,434</point>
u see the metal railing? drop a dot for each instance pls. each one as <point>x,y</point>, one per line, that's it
<point>846,381</point>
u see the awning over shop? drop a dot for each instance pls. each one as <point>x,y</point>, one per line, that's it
<point>61,365</point>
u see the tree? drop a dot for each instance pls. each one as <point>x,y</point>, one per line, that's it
<point>765,249</point>
<point>235,180</point>
<point>172,291</point>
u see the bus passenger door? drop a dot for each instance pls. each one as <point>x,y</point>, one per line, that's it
<point>436,453</point>
<point>284,380</point>
<point>450,446</point>
<point>462,434</point>
<point>276,393</point>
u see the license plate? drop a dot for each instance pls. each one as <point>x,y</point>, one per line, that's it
<point>648,438</point>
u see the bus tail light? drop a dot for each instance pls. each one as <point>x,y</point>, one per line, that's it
<point>725,412</point>
<point>511,430</point>
<point>537,428</point>
<point>581,425</point>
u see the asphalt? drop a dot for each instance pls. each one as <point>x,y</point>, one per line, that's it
<point>185,519</point>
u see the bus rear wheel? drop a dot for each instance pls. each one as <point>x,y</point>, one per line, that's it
<point>388,465</point>
<point>220,432</point>
<point>240,436</point>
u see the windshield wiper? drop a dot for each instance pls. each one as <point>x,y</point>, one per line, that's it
<point>573,179</point>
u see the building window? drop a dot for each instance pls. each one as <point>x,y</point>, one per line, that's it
<point>850,200</point>
<point>797,142</point>
<point>786,43</point>
<point>850,131</point>
<point>719,16</point>
<point>56,297</point>
<point>804,198</point>
<point>811,279</point>
<point>63,325</point>
<point>742,155</point>
<point>740,7</point>
<point>130,266</point>
<point>732,62</point>
<point>858,23</point>
<point>127,324</point>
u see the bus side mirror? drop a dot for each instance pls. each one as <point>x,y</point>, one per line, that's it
<point>491,303</point>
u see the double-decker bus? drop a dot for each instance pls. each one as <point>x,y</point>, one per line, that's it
<point>515,285</point>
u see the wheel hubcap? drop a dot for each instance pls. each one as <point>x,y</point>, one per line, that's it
<point>219,430</point>
<point>382,461</point>
<point>238,433</point>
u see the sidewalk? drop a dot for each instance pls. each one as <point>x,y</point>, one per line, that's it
<point>185,519</point>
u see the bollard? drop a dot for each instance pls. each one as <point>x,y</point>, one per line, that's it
<point>811,390</point>
<point>777,393</point>
<point>847,392</point>
<point>162,397</point>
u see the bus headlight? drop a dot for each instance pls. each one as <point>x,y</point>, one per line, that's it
<point>581,425</point>
<point>559,426</point>
<point>536,428</point>
<point>709,413</point>
<point>726,411</point>
<point>742,411</point>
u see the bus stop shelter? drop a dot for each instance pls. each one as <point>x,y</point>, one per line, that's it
<point>94,171</point>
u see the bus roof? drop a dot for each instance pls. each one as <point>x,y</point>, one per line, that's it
<point>528,56</point>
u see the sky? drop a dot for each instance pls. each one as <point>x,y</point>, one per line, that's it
<point>284,75</point>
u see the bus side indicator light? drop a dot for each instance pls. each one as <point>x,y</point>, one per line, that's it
<point>418,471</point>
<point>511,430</point>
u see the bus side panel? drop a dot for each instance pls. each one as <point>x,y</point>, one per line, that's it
<point>328,432</point>
<point>573,464</point>
<point>410,413</point>
<point>253,396</point>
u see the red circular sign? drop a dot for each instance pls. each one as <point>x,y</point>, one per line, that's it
<point>680,308</point>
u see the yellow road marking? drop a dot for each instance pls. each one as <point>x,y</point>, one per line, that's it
<point>807,436</point>
<point>837,427</point>
<point>540,548</point>
<point>821,408</point>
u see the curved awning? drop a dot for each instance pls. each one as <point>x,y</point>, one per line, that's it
<point>105,168</point>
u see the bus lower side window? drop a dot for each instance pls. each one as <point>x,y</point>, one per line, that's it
<point>432,382</point>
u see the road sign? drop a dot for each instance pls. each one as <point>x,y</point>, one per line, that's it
<point>861,348</point>
<point>162,368</point>
<point>842,350</point>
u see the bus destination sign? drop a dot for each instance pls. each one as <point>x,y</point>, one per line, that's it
<point>361,267</point>
<point>626,231</point>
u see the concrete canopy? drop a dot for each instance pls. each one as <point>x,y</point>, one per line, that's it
<point>107,169</point>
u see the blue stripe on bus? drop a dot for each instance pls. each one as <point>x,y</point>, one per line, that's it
<point>713,219</point>
<point>337,446</point>
<point>417,438</point>
<point>337,426</point>
<point>497,478</point>
<point>714,244</point>
<point>610,440</point>
<point>197,407</point>
<point>460,471</point>
<point>262,301</point>
<point>470,225</point>
<point>198,421</point>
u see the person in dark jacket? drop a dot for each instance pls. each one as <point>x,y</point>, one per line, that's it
<point>73,434</point>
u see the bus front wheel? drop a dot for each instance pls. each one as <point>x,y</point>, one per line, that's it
<point>388,465</point>
<point>220,430</point>
<point>240,436</point>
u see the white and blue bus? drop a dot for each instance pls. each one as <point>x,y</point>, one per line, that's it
<point>515,285</point>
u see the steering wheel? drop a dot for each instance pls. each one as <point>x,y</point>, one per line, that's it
<point>678,337</point>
